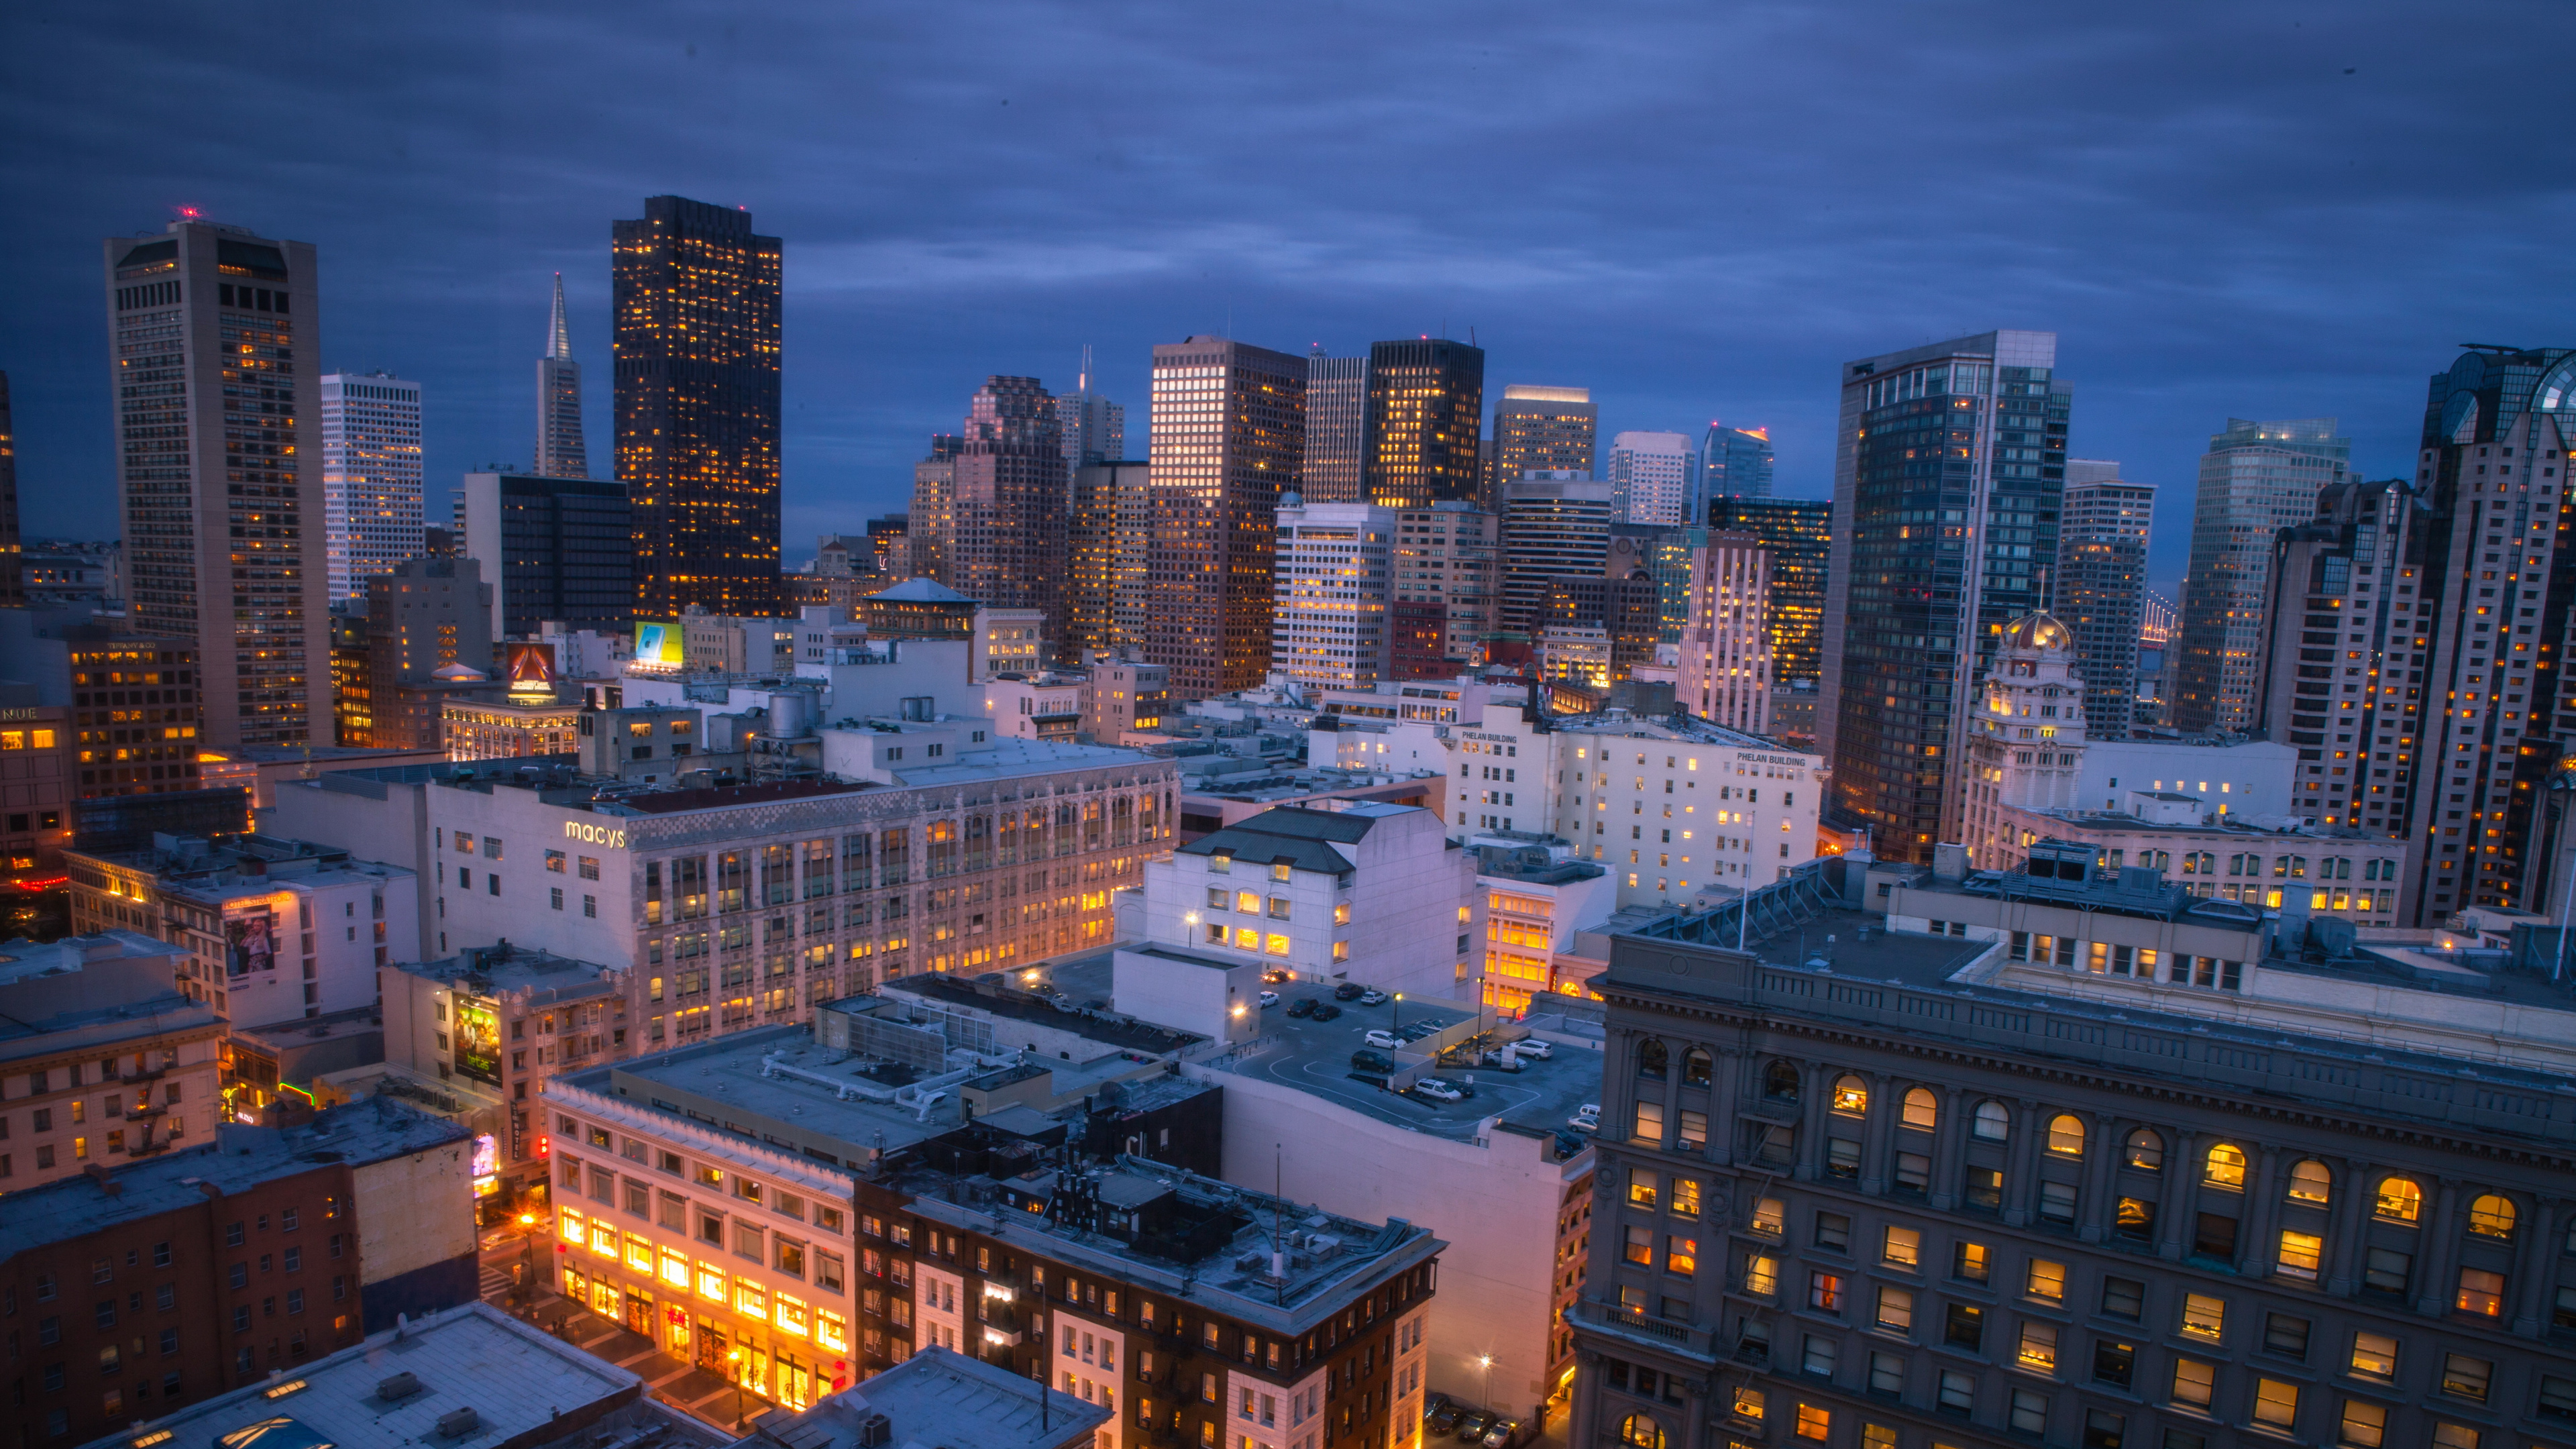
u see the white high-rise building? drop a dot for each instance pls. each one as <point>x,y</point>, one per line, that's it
<point>1651,477</point>
<point>1329,599</point>
<point>371,477</point>
<point>1725,647</point>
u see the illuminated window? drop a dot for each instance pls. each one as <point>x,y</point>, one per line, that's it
<point>2400,1200</point>
<point>2066,1135</point>
<point>2491,1216</point>
<point>1922,1113</point>
<point>2310,1182</point>
<point>2225,1167</point>
<point>1851,1098</point>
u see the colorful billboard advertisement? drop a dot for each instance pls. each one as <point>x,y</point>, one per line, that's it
<point>657,643</point>
<point>250,942</point>
<point>487,1164</point>
<point>478,1041</point>
<point>532,668</point>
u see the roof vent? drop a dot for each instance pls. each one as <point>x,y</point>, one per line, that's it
<point>401,1386</point>
<point>874,1431</point>
<point>457,1423</point>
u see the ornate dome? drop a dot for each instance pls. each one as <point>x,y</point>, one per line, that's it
<point>2038,630</point>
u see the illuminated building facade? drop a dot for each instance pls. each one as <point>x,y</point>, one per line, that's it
<point>353,717</point>
<point>428,636</point>
<point>2101,587</point>
<point>36,772</point>
<point>1329,622</point>
<point>1426,412</point>
<point>513,726</point>
<point>1652,477</point>
<point>1105,547</point>
<point>2025,747</point>
<point>1798,534</point>
<point>1551,429</point>
<point>562,451</point>
<point>696,294</point>
<point>2256,479</point>
<point>214,336</point>
<point>1337,400</point>
<point>931,526</point>
<point>371,476</point>
<point>135,712</point>
<point>1947,483</point>
<point>1228,437</point>
<point>1447,589</point>
<point>1726,665</point>
<point>1011,497</point>
<point>492,1025</point>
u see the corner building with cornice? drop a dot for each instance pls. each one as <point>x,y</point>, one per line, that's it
<point>1930,1191</point>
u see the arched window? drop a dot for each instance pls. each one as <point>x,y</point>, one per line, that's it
<point>2491,1217</point>
<point>1851,1098</point>
<point>1922,1112</point>
<point>1652,1058</point>
<point>1696,1067</point>
<point>2226,1167</point>
<point>1641,1432</point>
<point>2400,1201</point>
<point>1780,1082</point>
<point>2066,1135</point>
<point>1993,1123</point>
<point>2311,1183</point>
<point>2144,1151</point>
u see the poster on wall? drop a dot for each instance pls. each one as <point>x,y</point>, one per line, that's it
<point>532,666</point>
<point>657,644</point>
<point>478,1041</point>
<point>250,943</point>
<point>487,1164</point>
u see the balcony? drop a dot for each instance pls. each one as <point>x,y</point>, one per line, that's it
<point>1637,1328</point>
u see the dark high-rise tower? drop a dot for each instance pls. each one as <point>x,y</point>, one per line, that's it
<point>1336,428</point>
<point>561,450</point>
<point>1951,462</point>
<point>214,334</point>
<point>697,298</point>
<point>1011,497</point>
<point>1426,409</point>
<point>2100,588</point>
<point>1800,535</point>
<point>13,588</point>
<point>1228,437</point>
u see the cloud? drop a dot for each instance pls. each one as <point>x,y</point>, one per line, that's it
<point>1698,210</point>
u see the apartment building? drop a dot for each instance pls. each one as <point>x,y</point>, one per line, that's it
<point>102,1061</point>
<point>1932,1190</point>
<point>1706,805</point>
<point>784,1201</point>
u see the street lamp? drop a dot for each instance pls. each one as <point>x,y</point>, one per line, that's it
<point>734,1358</point>
<point>1399,1013</point>
<point>1485,1361</point>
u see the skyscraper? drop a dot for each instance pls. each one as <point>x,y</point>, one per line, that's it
<point>1012,498</point>
<point>1652,476</point>
<point>1555,525</point>
<point>1726,659</point>
<point>1105,556</point>
<point>1329,602</point>
<point>1947,478</point>
<point>13,589</point>
<point>697,298</point>
<point>213,332</point>
<point>1336,428</point>
<point>561,450</point>
<point>932,524</point>
<point>371,476</point>
<point>1553,429</point>
<point>2101,587</point>
<point>2256,479</point>
<point>1426,410</point>
<point>1799,535</point>
<point>554,550</point>
<point>1733,462</point>
<point>1446,589</point>
<point>1228,437</point>
<point>1094,428</point>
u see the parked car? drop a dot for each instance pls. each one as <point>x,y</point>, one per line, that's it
<point>1584,1122</point>
<point>1385,1039</point>
<point>1445,1418</point>
<point>1437,1090</point>
<point>1368,1061</point>
<point>1372,997</point>
<point>1471,1429</point>
<point>1589,1109</point>
<point>1349,991</point>
<point>1269,999</point>
<point>1273,977</point>
<point>1531,1046</point>
<point>1502,1433</point>
<point>1434,1401</point>
<point>1325,1011</point>
<point>1420,1029</point>
<point>1302,1006</point>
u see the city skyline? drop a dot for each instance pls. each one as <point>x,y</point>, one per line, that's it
<point>2230,319</point>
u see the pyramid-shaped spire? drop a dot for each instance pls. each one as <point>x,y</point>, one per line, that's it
<point>559,334</point>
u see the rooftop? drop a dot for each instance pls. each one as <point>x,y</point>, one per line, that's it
<point>239,1158</point>
<point>921,591</point>
<point>1012,756</point>
<point>1008,1003</point>
<point>222,867</point>
<point>519,1380</point>
<point>1302,836</point>
<point>940,1396</point>
<point>85,991</point>
<point>1673,726</point>
<point>722,797</point>
<point>503,969</point>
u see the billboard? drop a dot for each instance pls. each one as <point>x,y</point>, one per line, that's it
<point>478,1041</point>
<point>250,942</point>
<point>657,643</point>
<point>532,667</point>
<point>487,1165</point>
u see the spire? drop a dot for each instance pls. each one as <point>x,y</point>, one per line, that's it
<point>559,335</point>
<point>1083,385</point>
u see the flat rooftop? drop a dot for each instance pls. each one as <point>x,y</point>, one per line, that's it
<point>725,1080</point>
<point>518,1379</point>
<point>941,1397</point>
<point>239,1158</point>
<point>494,971</point>
<point>1011,756</point>
<point>1008,1003</point>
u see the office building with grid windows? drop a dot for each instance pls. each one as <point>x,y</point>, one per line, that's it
<point>1228,438</point>
<point>371,476</point>
<point>1426,412</point>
